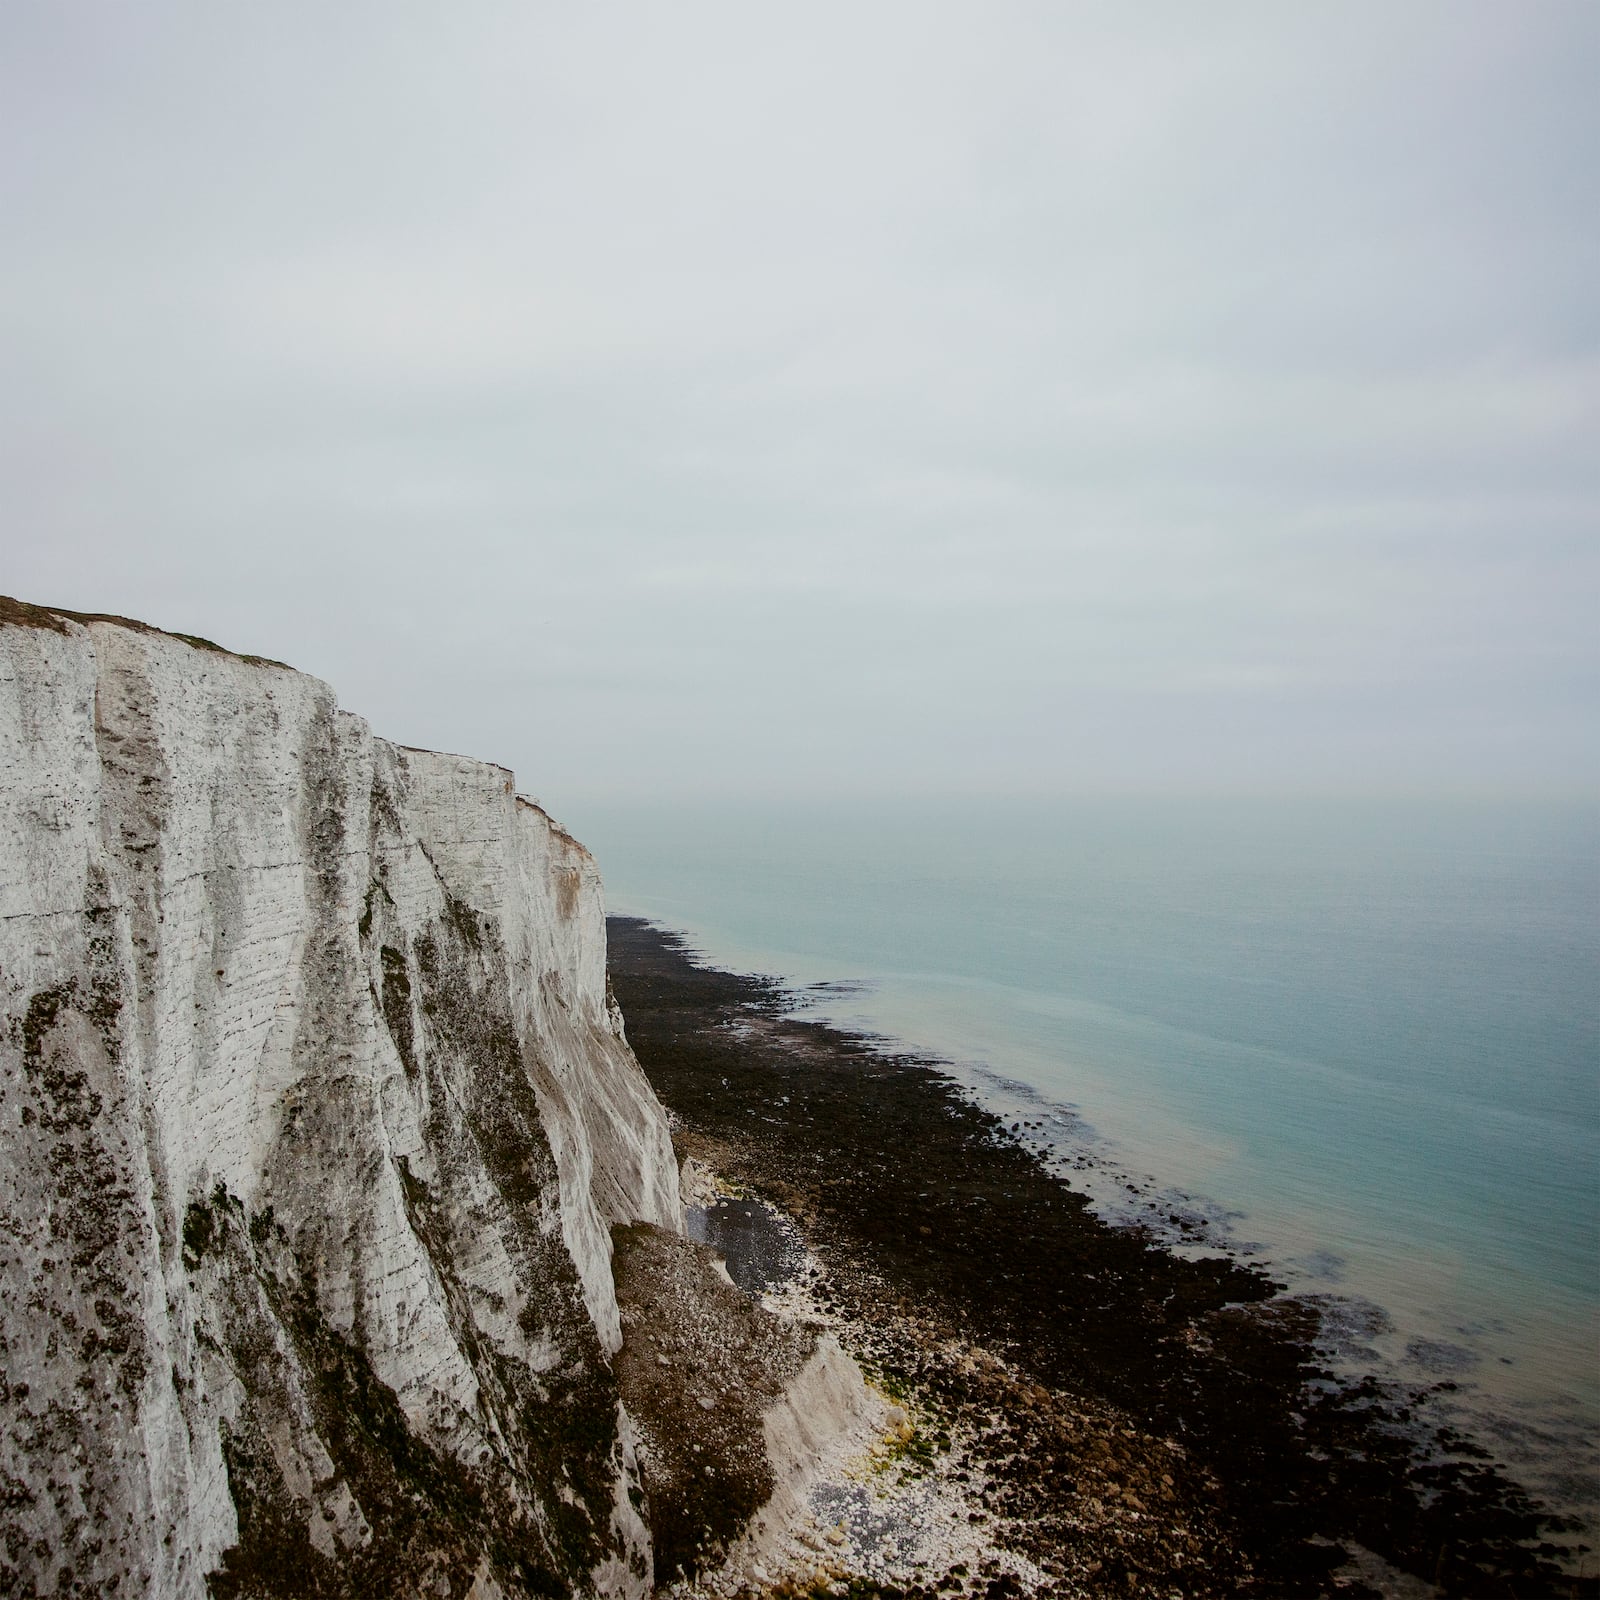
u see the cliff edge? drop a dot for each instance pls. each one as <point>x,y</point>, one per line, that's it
<point>316,1123</point>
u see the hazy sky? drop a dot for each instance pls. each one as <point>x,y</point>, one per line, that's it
<point>831,397</point>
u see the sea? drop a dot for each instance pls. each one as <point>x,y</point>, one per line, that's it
<point>1359,1038</point>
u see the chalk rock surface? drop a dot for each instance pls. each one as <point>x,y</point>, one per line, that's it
<point>315,1119</point>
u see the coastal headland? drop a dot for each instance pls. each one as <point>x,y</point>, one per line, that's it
<point>1126,1420</point>
<point>349,1251</point>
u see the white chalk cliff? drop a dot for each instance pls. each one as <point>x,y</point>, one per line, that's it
<point>315,1118</point>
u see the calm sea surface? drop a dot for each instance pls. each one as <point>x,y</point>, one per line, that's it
<point>1364,1037</point>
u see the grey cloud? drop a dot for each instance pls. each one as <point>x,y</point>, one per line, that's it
<point>923,395</point>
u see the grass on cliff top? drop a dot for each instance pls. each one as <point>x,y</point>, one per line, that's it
<point>22,614</point>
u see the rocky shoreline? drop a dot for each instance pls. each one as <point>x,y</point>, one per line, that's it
<point>1091,1412</point>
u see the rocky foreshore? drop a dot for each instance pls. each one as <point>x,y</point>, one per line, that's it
<point>1080,1410</point>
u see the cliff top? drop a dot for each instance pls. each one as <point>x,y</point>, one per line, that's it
<point>24,614</point>
<point>21,614</point>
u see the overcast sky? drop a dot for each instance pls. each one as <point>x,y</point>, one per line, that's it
<point>831,398</point>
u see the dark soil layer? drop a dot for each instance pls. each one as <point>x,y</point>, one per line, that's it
<point>1159,1425</point>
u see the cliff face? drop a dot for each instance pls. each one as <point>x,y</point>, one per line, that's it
<point>314,1122</point>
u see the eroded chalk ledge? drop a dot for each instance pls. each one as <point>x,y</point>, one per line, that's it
<point>770,1462</point>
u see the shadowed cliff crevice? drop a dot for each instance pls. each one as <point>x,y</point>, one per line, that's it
<point>388,1513</point>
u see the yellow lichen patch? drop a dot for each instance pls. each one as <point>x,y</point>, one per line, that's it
<point>912,1436</point>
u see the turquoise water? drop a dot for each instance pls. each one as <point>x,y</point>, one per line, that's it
<point>1368,1035</point>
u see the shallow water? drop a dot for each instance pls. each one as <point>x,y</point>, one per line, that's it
<point>1362,1039</point>
<point>760,1248</point>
